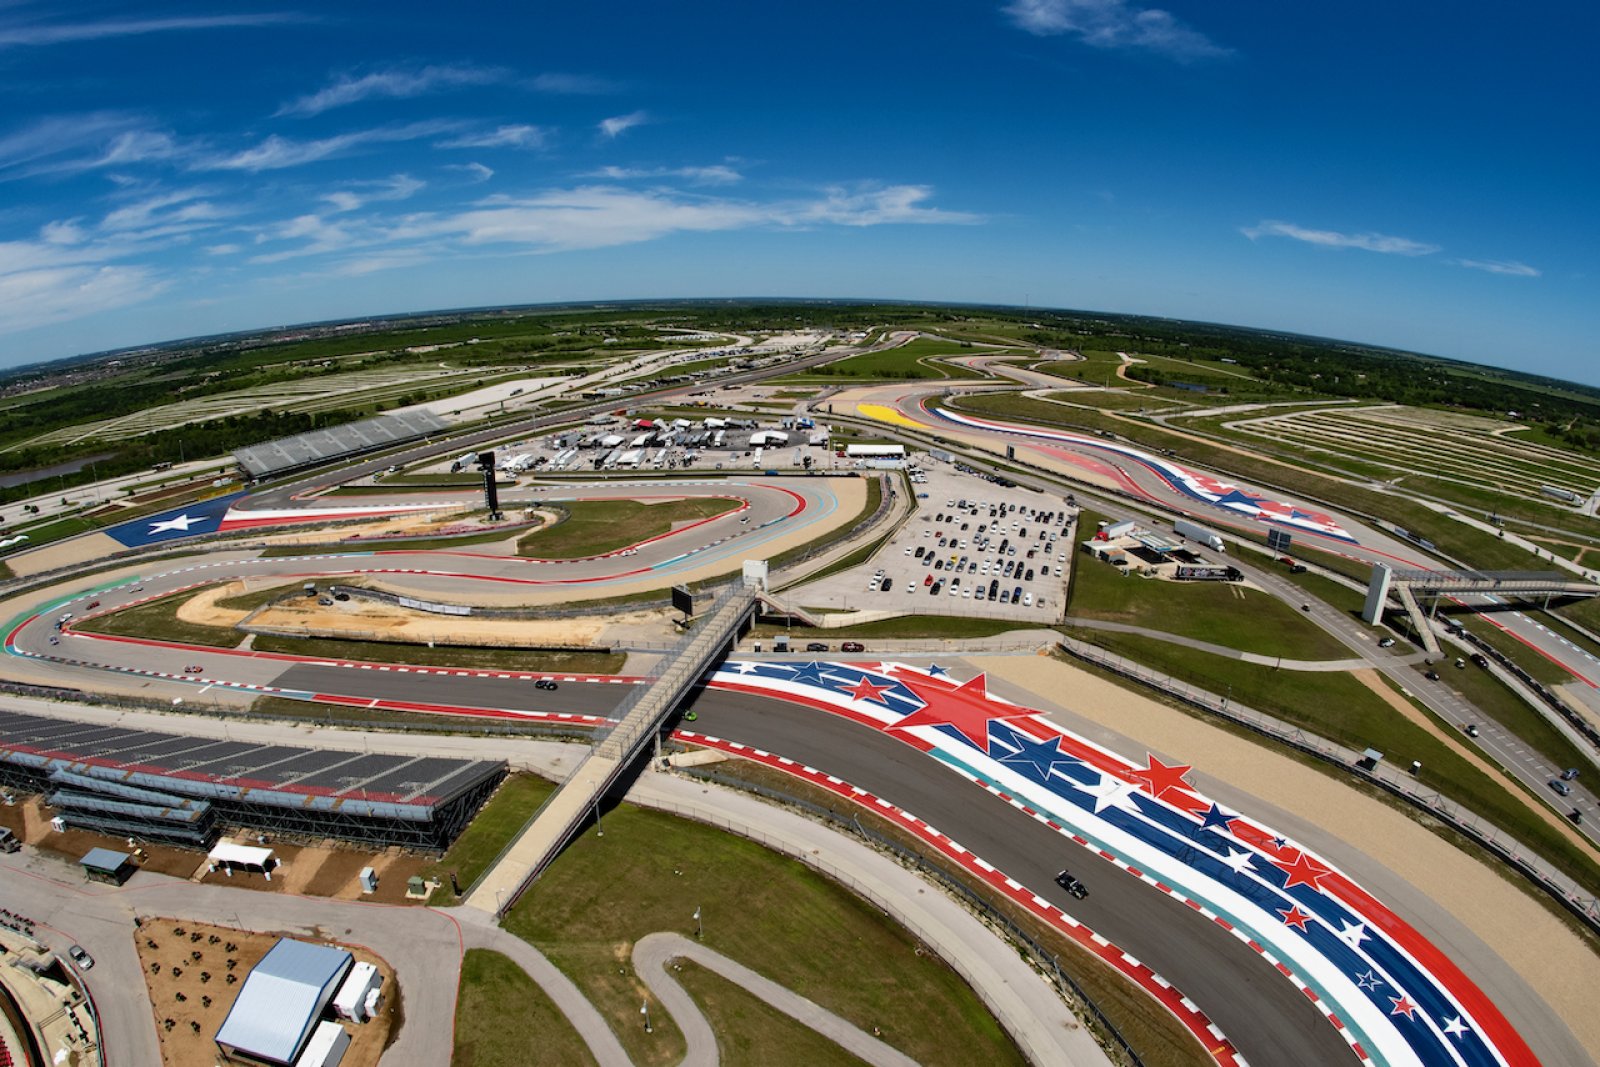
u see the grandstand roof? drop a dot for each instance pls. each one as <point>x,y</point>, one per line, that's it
<point>362,783</point>
<point>323,446</point>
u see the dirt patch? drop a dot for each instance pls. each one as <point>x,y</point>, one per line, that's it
<point>373,620</point>
<point>29,818</point>
<point>1548,956</point>
<point>194,971</point>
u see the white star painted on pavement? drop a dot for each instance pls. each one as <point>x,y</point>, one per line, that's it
<point>1110,793</point>
<point>1454,1027</point>
<point>745,667</point>
<point>1239,861</point>
<point>887,668</point>
<point>177,522</point>
<point>1353,934</point>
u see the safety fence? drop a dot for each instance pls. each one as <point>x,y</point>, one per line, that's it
<point>1576,898</point>
<point>1047,962</point>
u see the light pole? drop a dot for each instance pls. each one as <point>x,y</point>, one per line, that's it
<point>699,928</point>
<point>599,831</point>
<point>644,1009</point>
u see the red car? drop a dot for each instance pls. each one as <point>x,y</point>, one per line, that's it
<point>852,646</point>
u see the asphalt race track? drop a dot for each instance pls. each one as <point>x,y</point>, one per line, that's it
<point>1269,1020</point>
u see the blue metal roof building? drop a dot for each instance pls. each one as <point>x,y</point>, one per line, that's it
<point>281,1001</point>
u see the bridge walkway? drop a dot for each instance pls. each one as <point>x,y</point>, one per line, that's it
<point>577,800</point>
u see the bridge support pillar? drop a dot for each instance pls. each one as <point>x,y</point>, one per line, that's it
<point>1377,594</point>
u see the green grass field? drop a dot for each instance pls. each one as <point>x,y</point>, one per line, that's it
<point>1219,612</point>
<point>1339,707</point>
<point>594,527</point>
<point>518,797</point>
<point>916,359</point>
<point>650,872</point>
<point>503,1019</point>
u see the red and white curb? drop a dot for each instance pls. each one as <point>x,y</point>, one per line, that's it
<point>1216,1044</point>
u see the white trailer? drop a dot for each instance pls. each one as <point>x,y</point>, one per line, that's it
<point>755,461</point>
<point>1195,532</point>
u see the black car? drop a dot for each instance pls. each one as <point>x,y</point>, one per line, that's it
<point>1071,885</point>
<point>544,683</point>
<point>816,646</point>
<point>1432,676</point>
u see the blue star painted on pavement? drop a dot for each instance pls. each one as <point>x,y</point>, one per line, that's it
<point>1368,981</point>
<point>809,672</point>
<point>1037,759</point>
<point>1216,817</point>
<point>1280,841</point>
<point>936,671</point>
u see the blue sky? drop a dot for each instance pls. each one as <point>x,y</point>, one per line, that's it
<point>1423,177</point>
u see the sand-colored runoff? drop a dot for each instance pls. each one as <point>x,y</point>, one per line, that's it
<point>1370,679</point>
<point>1548,956</point>
<point>379,621</point>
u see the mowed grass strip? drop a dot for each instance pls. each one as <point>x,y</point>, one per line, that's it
<point>504,1019</point>
<point>158,621</point>
<point>1221,613</point>
<point>595,527</point>
<point>1339,707</point>
<point>650,872</point>
<point>750,1031</point>
<point>517,798</point>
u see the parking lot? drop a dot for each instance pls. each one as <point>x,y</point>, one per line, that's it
<point>972,547</point>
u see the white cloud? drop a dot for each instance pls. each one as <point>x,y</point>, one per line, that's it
<point>188,212</point>
<point>1114,24</point>
<point>712,175</point>
<point>67,232</point>
<point>14,36</point>
<point>41,297</point>
<point>222,249</point>
<point>276,153</point>
<point>477,171</point>
<point>605,216</point>
<point>501,137</point>
<point>874,206</point>
<point>1511,268</point>
<point>392,85</point>
<point>619,124</point>
<point>59,143</point>
<point>399,187</point>
<point>1371,242</point>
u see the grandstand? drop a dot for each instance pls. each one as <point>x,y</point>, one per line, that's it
<point>317,447</point>
<point>184,790</point>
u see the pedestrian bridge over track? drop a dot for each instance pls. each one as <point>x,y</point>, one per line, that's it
<point>1412,587</point>
<point>577,800</point>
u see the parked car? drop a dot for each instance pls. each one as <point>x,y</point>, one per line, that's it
<point>80,957</point>
<point>1561,787</point>
<point>816,646</point>
<point>852,646</point>
<point>1472,729</point>
<point>1432,676</point>
<point>1569,774</point>
<point>1387,642</point>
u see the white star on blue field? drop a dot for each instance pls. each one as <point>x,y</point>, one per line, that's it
<point>1405,175</point>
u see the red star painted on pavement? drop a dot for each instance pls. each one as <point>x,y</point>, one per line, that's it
<point>1403,1006</point>
<point>1295,917</point>
<point>866,690</point>
<point>1160,778</point>
<point>967,707</point>
<point>1302,871</point>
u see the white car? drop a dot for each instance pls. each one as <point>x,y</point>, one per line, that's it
<point>1027,600</point>
<point>908,550</point>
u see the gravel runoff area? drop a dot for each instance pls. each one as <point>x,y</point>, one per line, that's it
<point>1468,909</point>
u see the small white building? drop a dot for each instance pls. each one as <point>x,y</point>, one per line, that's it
<point>875,451</point>
<point>326,1047</point>
<point>762,438</point>
<point>351,1000</point>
